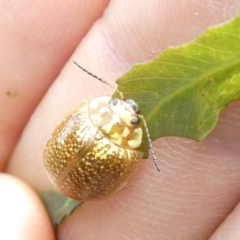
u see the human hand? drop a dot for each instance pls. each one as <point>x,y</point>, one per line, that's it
<point>199,183</point>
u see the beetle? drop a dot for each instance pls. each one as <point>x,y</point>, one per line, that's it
<point>93,150</point>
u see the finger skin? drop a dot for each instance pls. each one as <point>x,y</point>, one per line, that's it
<point>37,38</point>
<point>23,215</point>
<point>199,182</point>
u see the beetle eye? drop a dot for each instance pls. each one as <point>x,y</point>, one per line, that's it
<point>135,121</point>
<point>132,104</point>
<point>115,101</point>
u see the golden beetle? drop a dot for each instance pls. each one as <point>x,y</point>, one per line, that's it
<point>92,152</point>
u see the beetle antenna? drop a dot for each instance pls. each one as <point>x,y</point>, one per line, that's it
<point>98,78</point>
<point>150,143</point>
<point>141,116</point>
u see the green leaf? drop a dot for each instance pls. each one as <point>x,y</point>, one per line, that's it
<point>57,204</point>
<point>182,91</point>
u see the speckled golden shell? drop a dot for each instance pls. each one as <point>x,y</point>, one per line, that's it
<point>82,164</point>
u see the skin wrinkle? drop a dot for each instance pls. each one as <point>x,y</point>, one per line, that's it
<point>213,165</point>
<point>179,193</point>
<point>187,152</point>
<point>120,61</point>
<point>112,47</point>
<point>133,41</point>
<point>144,224</point>
<point>128,36</point>
<point>231,120</point>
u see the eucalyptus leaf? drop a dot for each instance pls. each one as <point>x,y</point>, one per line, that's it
<point>182,91</point>
<point>57,204</point>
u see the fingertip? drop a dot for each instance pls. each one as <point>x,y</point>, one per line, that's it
<point>23,215</point>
